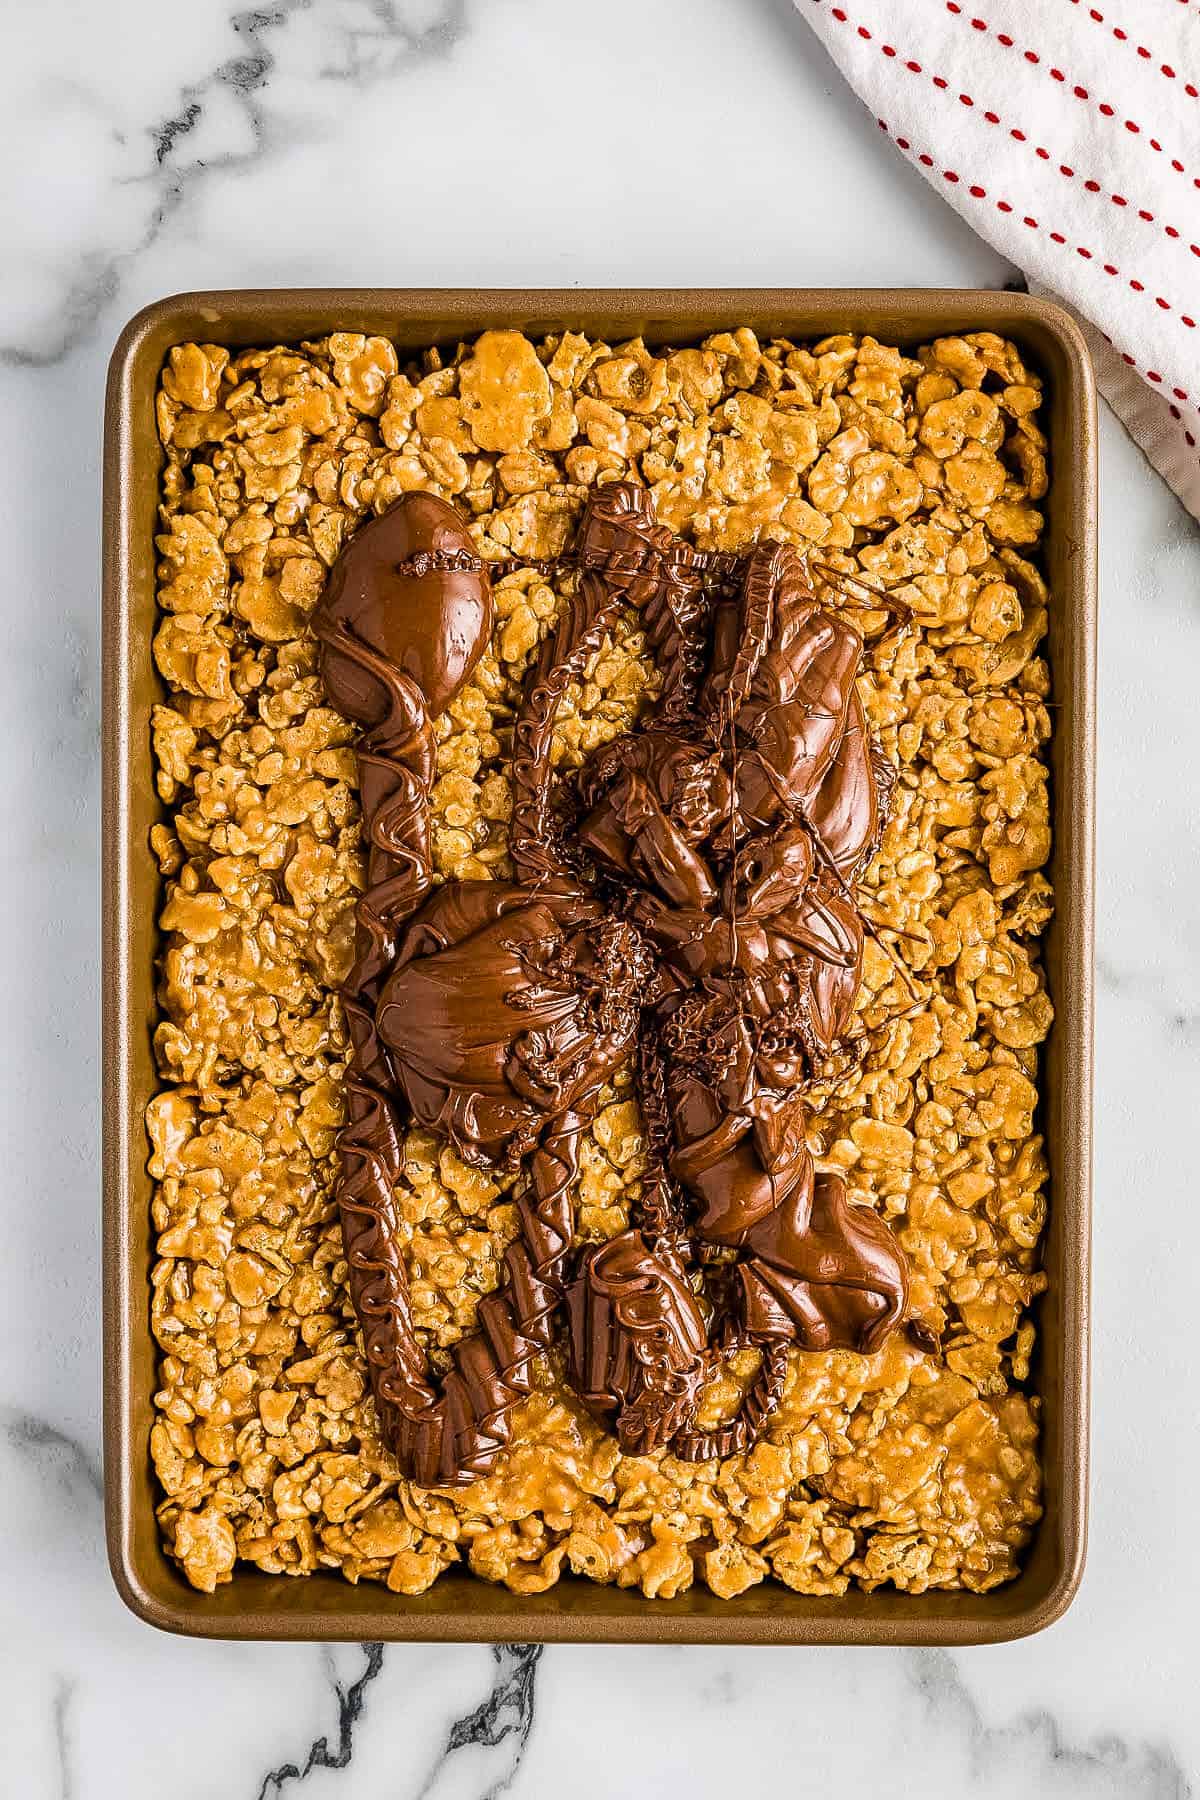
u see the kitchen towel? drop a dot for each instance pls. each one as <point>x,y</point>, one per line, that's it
<point>1068,136</point>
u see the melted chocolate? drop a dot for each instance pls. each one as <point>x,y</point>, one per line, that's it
<point>704,914</point>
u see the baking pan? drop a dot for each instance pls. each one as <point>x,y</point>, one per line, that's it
<point>461,1607</point>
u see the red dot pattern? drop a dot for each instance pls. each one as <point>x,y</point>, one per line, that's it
<point>1146,54</point>
<point>1080,92</point>
<point>978,192</point>
<point>1065,170</point>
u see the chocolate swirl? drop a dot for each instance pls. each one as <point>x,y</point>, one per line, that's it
<point>706,914</point>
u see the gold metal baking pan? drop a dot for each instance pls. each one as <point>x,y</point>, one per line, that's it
<point>255,1605</point>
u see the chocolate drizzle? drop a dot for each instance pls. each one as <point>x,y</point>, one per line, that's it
<point>703,913</point>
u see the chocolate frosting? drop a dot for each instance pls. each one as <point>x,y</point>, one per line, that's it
<point>690,897</point>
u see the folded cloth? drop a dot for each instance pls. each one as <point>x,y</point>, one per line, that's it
<point>1068,136</point>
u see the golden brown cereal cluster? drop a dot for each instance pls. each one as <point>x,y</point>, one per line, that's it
<point>925,473</point>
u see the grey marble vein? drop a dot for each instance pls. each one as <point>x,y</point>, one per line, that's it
<point>51,1451</point>
<point>393,34</point>
<point>170,131</point>
<point>1034,1744</point>
<point>362,43</point>
<point>1156,991</point>
<point>503,1720</point>
<point>63,1692</point>
<point>351,1702</point>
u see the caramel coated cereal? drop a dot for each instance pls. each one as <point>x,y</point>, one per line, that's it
<point>923,472</point>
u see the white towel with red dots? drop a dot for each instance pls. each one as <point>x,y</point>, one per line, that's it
<point>1068,136</point>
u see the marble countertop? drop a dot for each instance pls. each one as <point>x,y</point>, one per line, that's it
<point>150,148</point>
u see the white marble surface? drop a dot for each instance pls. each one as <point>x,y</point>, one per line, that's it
<point>151,147</point>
